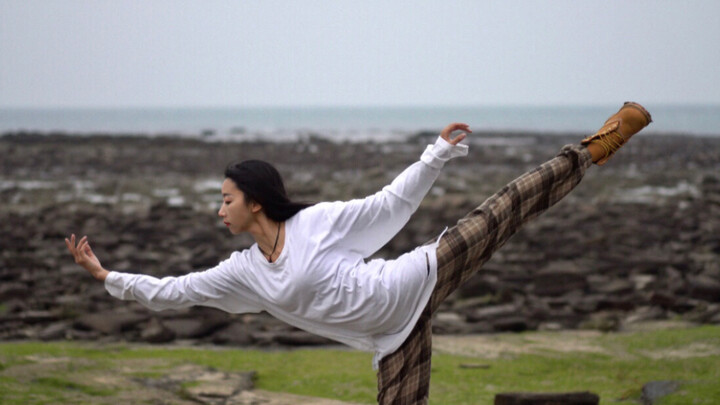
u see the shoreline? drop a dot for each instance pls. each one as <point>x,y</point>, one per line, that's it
<point>307,135</point>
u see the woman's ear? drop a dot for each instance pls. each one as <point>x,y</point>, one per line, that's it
<point>255,207</point>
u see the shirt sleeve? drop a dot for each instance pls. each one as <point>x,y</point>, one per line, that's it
<point>365,225</point>
<point>218,287</point>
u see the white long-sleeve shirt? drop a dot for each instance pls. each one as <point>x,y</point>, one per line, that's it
<point>321,281</point>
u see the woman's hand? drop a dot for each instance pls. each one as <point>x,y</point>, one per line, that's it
<point>85,257</point>
<point>455,126</point>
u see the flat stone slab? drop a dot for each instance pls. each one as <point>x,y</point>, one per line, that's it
<point>563,398</point>
<point>257,397</point>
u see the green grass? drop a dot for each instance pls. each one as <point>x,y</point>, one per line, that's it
<point>629,361</point>
<point>56,383</point>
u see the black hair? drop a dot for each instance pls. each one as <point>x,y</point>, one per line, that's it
<point>260,182</point>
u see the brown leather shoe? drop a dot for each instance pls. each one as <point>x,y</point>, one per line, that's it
<point>618,129</point>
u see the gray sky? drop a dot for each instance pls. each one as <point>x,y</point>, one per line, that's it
<point>253,53</point>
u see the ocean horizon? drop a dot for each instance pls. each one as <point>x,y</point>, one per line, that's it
<point>351,123</point>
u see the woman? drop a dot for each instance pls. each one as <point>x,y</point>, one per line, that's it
<point>308,265</point>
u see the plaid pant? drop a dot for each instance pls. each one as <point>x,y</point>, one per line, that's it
<point>404,375</point>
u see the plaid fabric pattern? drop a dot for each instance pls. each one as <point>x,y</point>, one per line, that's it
<point>404,376</point>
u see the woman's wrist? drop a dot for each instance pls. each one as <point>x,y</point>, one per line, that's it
<point>102,274</point>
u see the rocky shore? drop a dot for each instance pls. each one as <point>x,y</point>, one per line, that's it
<point>638,240</point>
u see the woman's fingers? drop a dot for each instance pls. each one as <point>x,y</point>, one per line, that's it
<point>455,126</point>
<point>71,244</point>
<point>82,248</point>
<point>78,250</point>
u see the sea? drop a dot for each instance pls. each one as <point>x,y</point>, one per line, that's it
<point>343,123</point>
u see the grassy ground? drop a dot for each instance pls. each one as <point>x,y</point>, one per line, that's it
<point>465,370</point>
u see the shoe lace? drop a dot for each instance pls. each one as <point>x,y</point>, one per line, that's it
<point>611,142</point>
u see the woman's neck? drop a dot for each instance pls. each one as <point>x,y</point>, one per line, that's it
<point>270,237</point>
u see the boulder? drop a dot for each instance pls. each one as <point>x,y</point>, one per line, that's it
<point>156,332</point>
<point>194,328</point>
<point>654,390</point>
<point>55,331</point>
<point>236,334</point>
<point>551,282</point>
<point>14,290</point>
<point>492,312</point>
<point>111,322</point>
<point>511,324</point>
<point>448,323</point>
<point>704,288</point>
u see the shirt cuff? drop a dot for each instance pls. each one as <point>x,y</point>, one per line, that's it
<point>114,284</point>
<point>436,155</point>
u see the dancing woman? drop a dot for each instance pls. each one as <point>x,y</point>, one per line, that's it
<point>308,268</point>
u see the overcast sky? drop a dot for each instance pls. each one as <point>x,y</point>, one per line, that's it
<point>327,53</point>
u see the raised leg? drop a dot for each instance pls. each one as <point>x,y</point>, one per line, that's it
<point>404,375</point>
<point>467,246</point>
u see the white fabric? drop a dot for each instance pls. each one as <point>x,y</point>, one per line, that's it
<point>321,282</point>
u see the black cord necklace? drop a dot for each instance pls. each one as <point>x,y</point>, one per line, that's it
<point>277,238</point>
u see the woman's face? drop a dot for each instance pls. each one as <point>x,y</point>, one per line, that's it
<point>235,212</point>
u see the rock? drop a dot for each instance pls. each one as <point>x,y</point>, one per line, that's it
<point>214,387</point>
<point>261,397</point>
<point>528,398</point>
<point>462,305</point>
<point>236,334</point>
<point>448,323</point>
<point>31,317</point>
<point>474,366</point>
<point>553,283</point>
<point>75,334</point>
<point>291,338</point>
<point>644,314</point>
<point>587,304</point>
<point>194,328</point>
<point>301,338</point>
<point>550,326</point>
<point>602,321</point>
<point>156,332</point>
<point>643,281</point>
<point>202,385</point>
<point>510,324</point>
<point>610,302</point>
<point>674,280</point>
<point>664,300</point>
<point>14,305</point>
<point>702,313</point>
<point>492,312</point>
<point>704,288</point>
<point>13,290</point>
<point>616,287</point>
<point>715,319</point>
<point>55,331</point>
<point>479,285</point>
<point>654,390</point>
<point>110,323</point>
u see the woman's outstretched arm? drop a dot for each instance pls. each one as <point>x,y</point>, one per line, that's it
<point>365,225</point>
<point>220,287</point>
